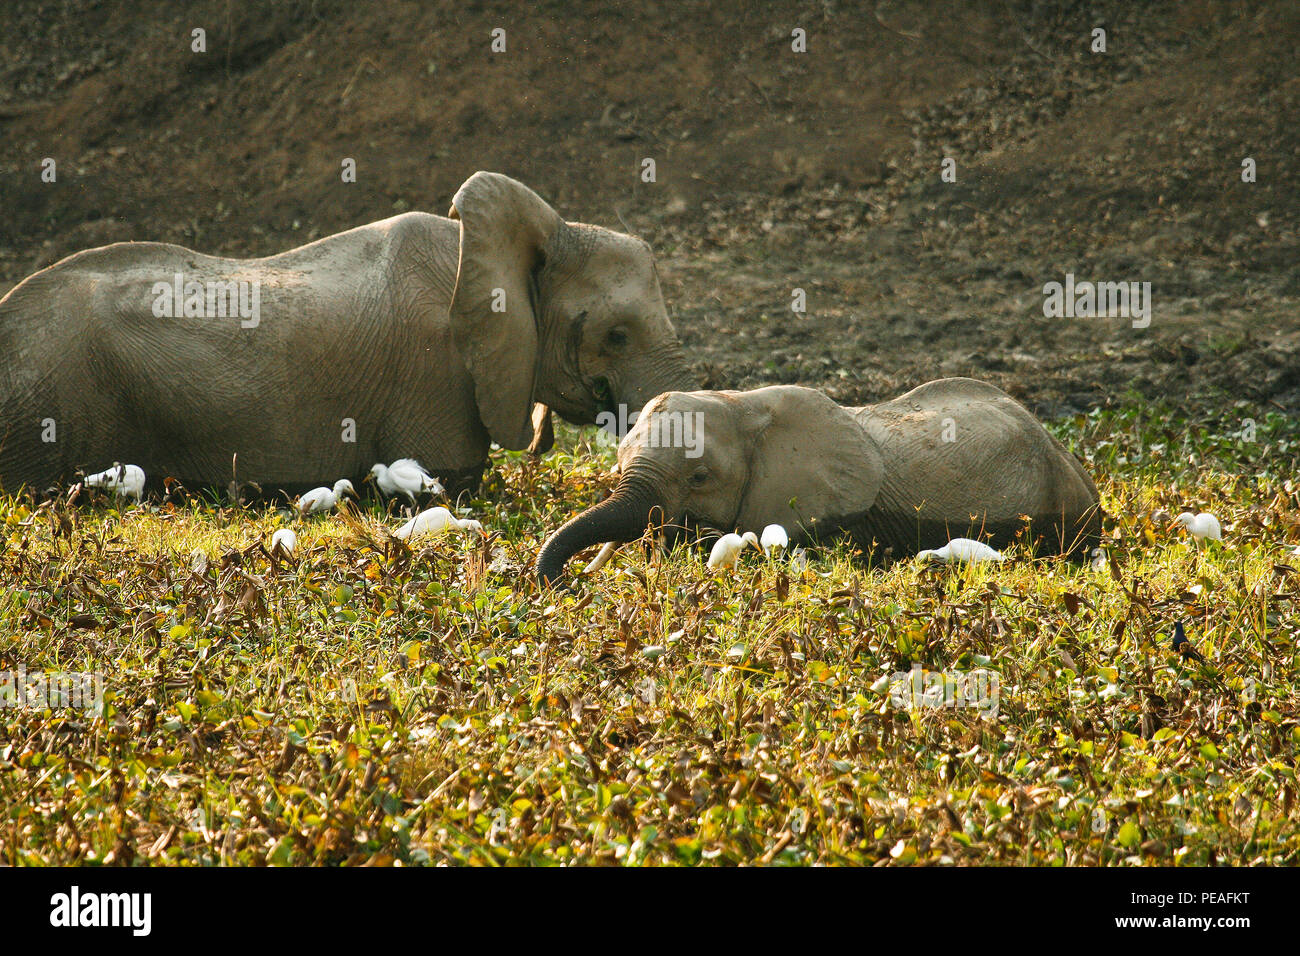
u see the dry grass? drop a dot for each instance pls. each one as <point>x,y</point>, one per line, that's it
<point>365,704</point>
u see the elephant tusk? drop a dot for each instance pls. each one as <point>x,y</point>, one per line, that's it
<point>600,560</point>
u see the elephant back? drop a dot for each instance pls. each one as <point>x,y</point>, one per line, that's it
<point>962,455</point>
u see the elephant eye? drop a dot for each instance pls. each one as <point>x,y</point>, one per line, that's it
<point>699,477</point>
<point>616,338</point>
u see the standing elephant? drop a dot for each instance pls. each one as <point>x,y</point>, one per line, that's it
<point>952,458</point>
<point>415,337</point>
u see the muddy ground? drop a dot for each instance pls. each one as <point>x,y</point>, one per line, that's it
<point>775,170</point>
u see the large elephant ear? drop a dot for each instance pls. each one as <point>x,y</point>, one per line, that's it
<point>503,227</point>
<point>811,460</point>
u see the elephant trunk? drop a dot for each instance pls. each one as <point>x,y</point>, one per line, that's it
<point>665,371</point>
<point>620,517</point>
<point>679,376</point>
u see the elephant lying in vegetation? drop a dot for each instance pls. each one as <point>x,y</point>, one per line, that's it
<point>952,458</point>
<point>415,337</point>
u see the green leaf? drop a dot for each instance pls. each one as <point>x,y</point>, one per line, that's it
<point>1130,835</point>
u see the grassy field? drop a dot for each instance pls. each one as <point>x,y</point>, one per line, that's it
<point>366,704</point>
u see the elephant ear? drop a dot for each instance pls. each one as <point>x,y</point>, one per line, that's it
<point>810,462</point>
<point>503,227</point>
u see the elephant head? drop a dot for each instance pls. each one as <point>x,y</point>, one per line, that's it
<point>565,315</point>
<point>731,460</point>
<point>952,458</point>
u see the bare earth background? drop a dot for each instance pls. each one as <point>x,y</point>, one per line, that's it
<point>775,170</point>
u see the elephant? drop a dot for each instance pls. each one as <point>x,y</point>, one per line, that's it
<point>417,336</point>
<point>951,458</point>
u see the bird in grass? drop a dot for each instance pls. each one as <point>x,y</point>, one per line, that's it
<point>963,550</point>
<point>122,480</point>
<point>324,499</point>
<point>406,476</point>
<point>774,538</point>
<point>726,551</point>
<point>1201,526</point>
<point>284,542</point>
<point>1183,647</point>
<point>435,521</point>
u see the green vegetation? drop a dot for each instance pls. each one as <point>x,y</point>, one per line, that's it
<point>368,704</point>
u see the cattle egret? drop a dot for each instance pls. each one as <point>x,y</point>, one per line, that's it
<point>435,521</point>
<point>122,480</point>
<point>774,539</point>
<point>285,541</point>
<point>961,549</point>
<point>1201,526</point>
<point>406,476</point>
<point>324,499</point>
<point>726,552</point>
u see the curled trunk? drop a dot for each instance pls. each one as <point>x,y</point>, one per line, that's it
<point>620,517</point>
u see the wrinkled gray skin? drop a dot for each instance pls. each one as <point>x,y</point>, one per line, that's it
<point>884,473</point>
<point>390,325</point>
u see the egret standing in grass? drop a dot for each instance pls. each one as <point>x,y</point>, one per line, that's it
<point>435,521</point>
<point>1201,527</point>
<point>123,480</point>
<point>284,542</point>
<point>964,550</point>
<point>774,539</point>
<point>324,499</point>
<point>406,476</point>
<point>726,551</point>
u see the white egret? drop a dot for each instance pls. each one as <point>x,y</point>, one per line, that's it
<point>324,499</point>
<point>963,550</point>
<point>284,541</point>
<point>726,551</point>
<point>1201,526</point>
<point>406,476</point>
<point>435,521</point>
<point>122,480</point>
<point>774,539</point>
